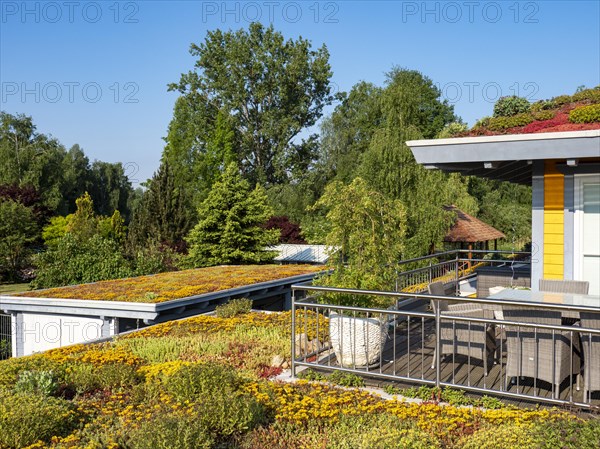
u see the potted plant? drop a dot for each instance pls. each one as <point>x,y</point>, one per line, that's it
<point>367,230</point>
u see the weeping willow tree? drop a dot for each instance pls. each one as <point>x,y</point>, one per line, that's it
<point>412,109</point>
<point>367,230</point>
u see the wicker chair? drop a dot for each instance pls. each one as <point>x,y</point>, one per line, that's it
<point>530,350</point>
<point>564,286</point>
<point>477,340</point>
<point>591,353</point>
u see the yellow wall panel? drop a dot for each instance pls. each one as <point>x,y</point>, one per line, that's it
<point>553,239</point>
<point>554,187</point>
<point>552,218</point>
<point>553,259</point>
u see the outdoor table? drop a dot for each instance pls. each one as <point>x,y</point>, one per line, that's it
<point>588,301</point>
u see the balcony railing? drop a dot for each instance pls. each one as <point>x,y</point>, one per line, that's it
<point>413,275</point>
<point>440,348</point>
<point>5,336</point>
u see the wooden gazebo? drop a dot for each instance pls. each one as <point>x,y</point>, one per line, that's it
<point>470,233</point>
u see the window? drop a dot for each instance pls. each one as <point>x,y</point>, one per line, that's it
<point>587,231</point>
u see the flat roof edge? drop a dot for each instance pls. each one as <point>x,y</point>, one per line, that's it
<point>65,305</point>
<point>591,133</point>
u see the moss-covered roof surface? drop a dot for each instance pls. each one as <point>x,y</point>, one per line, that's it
<point>174,285</point>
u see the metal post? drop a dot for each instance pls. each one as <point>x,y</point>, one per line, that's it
<point>456,290</point>
<point>430,275</point>
<point>293,333</point>
<point>438,346</point>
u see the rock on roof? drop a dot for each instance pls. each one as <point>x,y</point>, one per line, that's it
<point>469,229</point>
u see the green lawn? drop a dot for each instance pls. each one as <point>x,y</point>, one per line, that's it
<point>8,289</point>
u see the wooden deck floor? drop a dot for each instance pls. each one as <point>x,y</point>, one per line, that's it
<point>414,358</point>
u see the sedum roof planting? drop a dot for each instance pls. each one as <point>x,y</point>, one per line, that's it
<point>175,285</point>
<point>577,112</point>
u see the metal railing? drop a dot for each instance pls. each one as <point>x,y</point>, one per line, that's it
<point>413,275</point>
<point>440,348</point>
<point>5,337</point>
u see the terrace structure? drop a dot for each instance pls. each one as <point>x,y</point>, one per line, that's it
<point>469,232</point>
<point>45,319</point>
<point>541,343</point>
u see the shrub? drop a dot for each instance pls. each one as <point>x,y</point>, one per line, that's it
<point>167,432</point>
<point>591,95</point>
<point>482,122</point>
<point>155,259</point>
<point>379,431</point>
<point>154,350</point>
<point>562,433</point>
<point>11,368</point>
<point>18,230</point>
<point>223,409</point>
<point>234,307</point>
<point>543,105</point>
<point>199,380</point>
<point>502,123</point>
<point>37,382</point>
<point>452,130</point>
<point>86,377</point>
<point>511,106</point>
<point>543,115</point>
<point>569,434</point>
<point>312,375</point>
<point>504,436</point>
<point>5,349</point>
<point>75,261</point>
<point>585,114</point>
<point>562,99</point>
<point>27,418</point>
<point>346,379</point>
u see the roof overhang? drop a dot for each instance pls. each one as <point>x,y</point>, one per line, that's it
<point>506,157</point>
<point>150,312</point>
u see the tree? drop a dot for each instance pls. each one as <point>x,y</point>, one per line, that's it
<point>231,227</point>
<point>412,109</point>
<point>28,158</point>
<point>83,224</point>
<point>18,229</point>
<point>505,206</point>
<point>110,188</point>
<point>269,89</point>
<point>77,178</point>
<point>289,232</point>
<point>164,215</point>
<point>29,197</point>
<point>347,132</point>
<point>368,228</point>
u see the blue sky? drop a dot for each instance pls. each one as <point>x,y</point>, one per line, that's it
<point>95,72</point>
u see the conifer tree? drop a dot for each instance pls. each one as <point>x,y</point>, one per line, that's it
<point>231,227</point>
<point>164,215</point>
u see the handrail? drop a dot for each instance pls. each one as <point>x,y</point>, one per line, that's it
<point>425,296</point>
<point>462,251</point>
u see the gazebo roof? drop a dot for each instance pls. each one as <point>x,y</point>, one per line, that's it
<point>469,229</point>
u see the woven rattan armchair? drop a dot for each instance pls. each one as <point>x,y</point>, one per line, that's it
<point>564,286</point>
<point>591,353</point>
<point>477,340</point>
<point>543,354</point>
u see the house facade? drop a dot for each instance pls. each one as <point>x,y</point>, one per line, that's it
<point>563,169</point>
